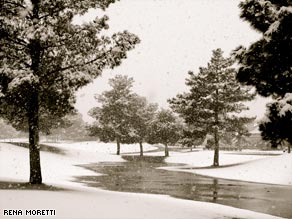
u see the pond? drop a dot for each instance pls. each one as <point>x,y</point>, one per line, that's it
<point>140,175</point>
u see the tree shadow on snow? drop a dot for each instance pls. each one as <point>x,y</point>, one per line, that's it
<point>213,167</point>
<point>43,147</point>
<point>28,186</point>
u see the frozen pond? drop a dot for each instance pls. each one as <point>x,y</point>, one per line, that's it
<point>140,175</point>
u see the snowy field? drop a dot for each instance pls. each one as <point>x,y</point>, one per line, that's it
<point>245,166</point>
<point>83,202</point>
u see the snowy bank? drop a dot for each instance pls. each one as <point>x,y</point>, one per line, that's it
<point>58,168</point>
<point>105,204</point>
<point>239,166</point>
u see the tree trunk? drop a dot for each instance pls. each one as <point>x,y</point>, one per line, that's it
<point>34,148</point>
<point>141,149</point>
<point>216,148</point>
<point>216,137</point>
<point>118,146</point>
<point>166,151</point>
<point>239,144</point>
<point>33,107</point>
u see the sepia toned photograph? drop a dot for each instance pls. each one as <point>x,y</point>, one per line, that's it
<point>146,109</point>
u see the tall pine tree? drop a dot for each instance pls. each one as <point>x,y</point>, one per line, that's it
<point>45,58</point>
<point>267,63</point>
<point>213,100</point>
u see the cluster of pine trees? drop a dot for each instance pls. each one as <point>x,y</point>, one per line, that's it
<point>126,117</point>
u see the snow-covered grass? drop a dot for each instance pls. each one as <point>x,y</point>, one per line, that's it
<point>274,170</point>
<point>252,166</point>
<point>56,168</point>
<point>100,204</point>
<point>82,202</point>
<point>14,140</point>
<point>205,158</point>
<point>99,147</point>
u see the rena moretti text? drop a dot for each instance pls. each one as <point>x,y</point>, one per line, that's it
<point>29,212</point>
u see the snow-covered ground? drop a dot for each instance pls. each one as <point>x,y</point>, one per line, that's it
<point>57,168</point>
<point>204,158</point>
<point>84,202</point>
<point>245,165</point>
<point>99,147</point>
<point>114,205</point>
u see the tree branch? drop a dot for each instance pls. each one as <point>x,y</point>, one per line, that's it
<point>15,3</point>
<point>78,65</point>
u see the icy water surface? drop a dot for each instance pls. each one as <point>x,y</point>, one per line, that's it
<point>141,175</point>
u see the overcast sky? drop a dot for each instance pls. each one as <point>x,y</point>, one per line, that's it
<point>176,36</point>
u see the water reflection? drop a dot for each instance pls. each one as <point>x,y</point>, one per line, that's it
<point>215,192</point>
<point>141,175</point>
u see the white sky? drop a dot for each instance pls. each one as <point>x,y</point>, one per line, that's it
<point>176,36</point>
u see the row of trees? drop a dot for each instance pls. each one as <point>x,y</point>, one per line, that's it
<point>210,107</point>
<point>126,117</point>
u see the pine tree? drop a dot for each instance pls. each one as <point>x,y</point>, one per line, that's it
<point>164,129</point>
<point>276,127</point>
<point>141,115</point>
<point>45,58</point>
<point>214,97</point>
<point>267,63</point>
<point>113,117</point>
